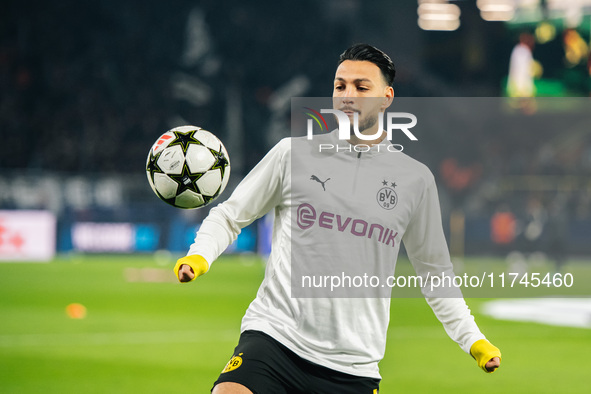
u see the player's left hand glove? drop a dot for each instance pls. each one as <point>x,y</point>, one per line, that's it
<point>486,355</point>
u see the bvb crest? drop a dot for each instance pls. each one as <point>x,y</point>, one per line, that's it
<point>387,197</point>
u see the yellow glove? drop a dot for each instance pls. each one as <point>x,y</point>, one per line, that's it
<point>483,351</point>
<point>196,262</point>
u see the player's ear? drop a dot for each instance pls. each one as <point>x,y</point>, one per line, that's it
<point>389,96</point>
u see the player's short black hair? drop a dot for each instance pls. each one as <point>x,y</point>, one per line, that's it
<point>374,55</point>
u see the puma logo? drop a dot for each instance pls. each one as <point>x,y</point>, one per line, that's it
<point>315,178</point>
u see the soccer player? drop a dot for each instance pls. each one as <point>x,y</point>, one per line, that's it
<point>328,344</point>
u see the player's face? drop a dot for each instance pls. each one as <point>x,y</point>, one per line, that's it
<point>355,83</point>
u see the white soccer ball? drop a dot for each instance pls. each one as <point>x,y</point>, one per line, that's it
<point>188,167</point>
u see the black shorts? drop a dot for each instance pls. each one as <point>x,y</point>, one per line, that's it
<point>265,366</point>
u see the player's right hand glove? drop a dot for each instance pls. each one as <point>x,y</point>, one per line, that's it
<point>483,351</point>
<point>197,263</point>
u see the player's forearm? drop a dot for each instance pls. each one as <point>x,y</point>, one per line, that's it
<point>457,321</point>
<point>216,233</point>
<point>459,324</point>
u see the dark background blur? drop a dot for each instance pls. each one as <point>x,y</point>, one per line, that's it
<point>87,87</point>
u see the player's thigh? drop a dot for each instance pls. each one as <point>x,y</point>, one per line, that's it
<point>230,388</point>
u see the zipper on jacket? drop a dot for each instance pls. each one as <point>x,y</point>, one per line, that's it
<point>356,172</point>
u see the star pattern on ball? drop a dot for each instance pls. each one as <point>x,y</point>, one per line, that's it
<point>152,166</point>
<point>186,180</point>
<point>184,139</point>
<point>221,161</point>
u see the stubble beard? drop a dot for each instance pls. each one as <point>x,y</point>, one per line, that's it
<point>365,123</point>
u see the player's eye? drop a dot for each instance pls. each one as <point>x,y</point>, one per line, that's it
<point>339,87</point>
<point>362,88</point>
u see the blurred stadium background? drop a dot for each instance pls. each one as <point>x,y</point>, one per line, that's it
<point>87,87</point>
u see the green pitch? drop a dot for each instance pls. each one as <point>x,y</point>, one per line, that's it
<point>144,333</point>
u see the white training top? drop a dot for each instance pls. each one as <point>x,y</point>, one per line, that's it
<point>352,222</point>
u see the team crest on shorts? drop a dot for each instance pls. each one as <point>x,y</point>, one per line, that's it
<point>234,363</point>
<point>387,197</point>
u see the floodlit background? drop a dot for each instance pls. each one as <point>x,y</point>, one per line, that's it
<point>87,87</point>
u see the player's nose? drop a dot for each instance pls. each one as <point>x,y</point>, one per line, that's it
<point>348,99</point>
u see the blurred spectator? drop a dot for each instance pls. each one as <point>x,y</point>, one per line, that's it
<point>503,228</point>
<point>521,68</point>
<point>459,178</point>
